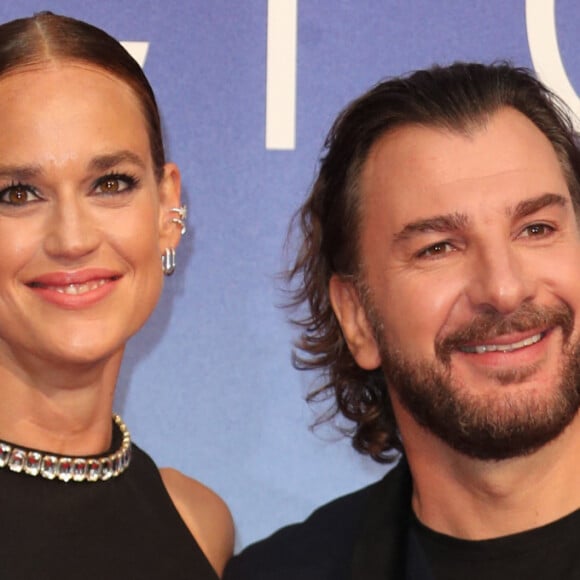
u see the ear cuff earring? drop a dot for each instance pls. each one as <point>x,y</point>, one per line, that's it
<point>181,217</point>
<point>168,261</point>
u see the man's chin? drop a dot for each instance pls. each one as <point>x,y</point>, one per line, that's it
<point>510,413</point>
<point>508,424</point>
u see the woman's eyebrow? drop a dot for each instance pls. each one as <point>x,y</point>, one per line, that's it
<point>20,172</point>
<point>97,163</point>
<point>109,160</point>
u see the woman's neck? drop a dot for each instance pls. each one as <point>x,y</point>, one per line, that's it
<point>57,408</point>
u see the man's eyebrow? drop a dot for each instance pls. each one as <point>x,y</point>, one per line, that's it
<point>440,223</point>
<point>110,160</point>
<point>531,206</point>
<point>457,221</point>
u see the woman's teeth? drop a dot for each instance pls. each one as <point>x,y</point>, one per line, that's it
<point>75,289</point>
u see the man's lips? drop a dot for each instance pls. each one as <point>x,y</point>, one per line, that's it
<point>493,334</point>
<point>501,346</point>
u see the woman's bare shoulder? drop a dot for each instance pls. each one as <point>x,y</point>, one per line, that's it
<point>204,513</point>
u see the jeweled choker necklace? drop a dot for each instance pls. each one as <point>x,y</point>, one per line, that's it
<point>64,468</point>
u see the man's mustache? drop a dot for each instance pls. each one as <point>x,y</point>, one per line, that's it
<point>483,328</point>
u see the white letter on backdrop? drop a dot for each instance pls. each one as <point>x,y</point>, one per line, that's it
<point>138,50</point>
<point>281,74</point>
<point>545,53</point>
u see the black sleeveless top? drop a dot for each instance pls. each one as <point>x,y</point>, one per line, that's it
<point>126,527</point>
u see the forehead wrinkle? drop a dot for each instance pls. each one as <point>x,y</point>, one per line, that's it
<point>441,223</point>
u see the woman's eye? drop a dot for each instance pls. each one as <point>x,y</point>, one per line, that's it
<point>112,184</point>
<point>18,195</point>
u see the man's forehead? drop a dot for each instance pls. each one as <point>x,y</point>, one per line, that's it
<point>439,166</point>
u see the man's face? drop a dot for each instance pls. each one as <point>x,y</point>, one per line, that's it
<point>470,257</point>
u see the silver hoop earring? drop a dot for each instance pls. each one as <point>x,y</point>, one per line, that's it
<point>168,261</point>
<point>181,217</point>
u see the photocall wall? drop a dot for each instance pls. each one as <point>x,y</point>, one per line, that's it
<point>247,92</point>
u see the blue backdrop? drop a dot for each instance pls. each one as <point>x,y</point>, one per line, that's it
<point>207,386</point>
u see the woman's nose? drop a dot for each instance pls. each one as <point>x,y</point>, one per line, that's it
<point>71,231</point>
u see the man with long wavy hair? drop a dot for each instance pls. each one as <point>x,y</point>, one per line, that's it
<point>440,263</point>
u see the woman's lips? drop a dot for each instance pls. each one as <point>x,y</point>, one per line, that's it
<point>75,289</point>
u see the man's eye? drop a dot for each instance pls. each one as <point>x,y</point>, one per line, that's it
<point>537,231</point>
<point>18,195</point>
<point>438,249</point>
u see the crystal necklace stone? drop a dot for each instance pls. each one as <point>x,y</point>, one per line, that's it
<point>106,468</point>
<point>5,450</point>
<point>48,466</point>
<point>16,461</point>
<point>64,469</point>
<point>79,470</point>
<point>93,469</point>
<point>33,461</point>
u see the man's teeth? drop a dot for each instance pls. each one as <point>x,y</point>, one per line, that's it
<point>502,347</point>
<point>75,289</point>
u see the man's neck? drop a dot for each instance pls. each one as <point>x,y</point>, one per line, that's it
<point>473,499</point>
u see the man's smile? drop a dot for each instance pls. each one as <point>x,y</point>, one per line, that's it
<point>510,347</point>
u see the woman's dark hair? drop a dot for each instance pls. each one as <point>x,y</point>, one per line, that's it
<point>458,98</point>
<point>47,37</point>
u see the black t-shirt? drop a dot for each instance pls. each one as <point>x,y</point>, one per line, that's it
<point>550,551</point>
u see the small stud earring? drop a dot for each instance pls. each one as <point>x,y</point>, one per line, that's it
<point>168,261</point>
<point>181,217</point>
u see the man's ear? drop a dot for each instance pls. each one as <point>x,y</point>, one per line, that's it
<point>169,200</point>
<point>353,320</point>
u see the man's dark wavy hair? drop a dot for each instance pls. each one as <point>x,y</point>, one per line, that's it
<point>459,97</point>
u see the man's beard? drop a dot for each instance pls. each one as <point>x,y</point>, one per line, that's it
<point>494,423</point>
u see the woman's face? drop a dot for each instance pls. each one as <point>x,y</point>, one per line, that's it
<point>83,221</point>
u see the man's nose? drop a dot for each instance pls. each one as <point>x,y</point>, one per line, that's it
<point>499,280</point>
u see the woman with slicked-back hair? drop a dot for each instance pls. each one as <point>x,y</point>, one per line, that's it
<point>90,217</point>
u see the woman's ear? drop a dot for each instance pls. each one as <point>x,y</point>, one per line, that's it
<point>170,208</point>
<point>354,322</point>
